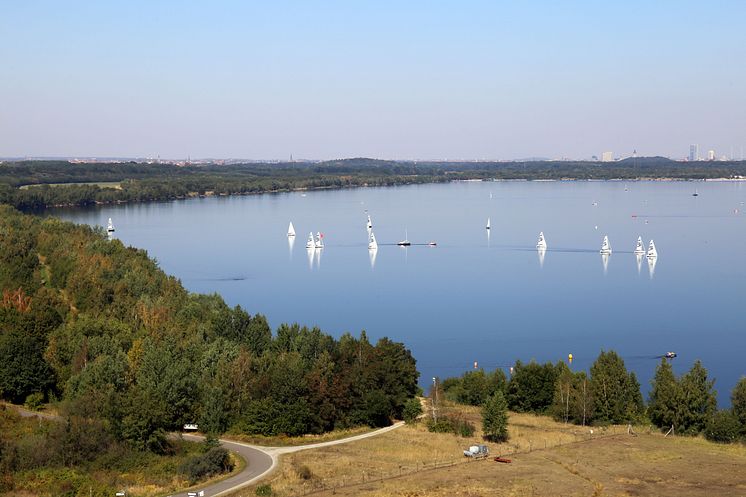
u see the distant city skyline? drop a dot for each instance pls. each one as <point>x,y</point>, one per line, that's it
<point>476,80</point>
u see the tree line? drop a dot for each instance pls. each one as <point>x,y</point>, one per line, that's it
<point>128,352</point>
<point>608,393</point>
<point>158,182</point>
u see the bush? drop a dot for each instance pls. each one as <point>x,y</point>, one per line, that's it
<point>213,462</point>
<point>304,472</point>
<point>34,401</point>
<point>265,489</point>
<point>723,427</point>
<point>442,425</point>
<point>450,424</point>
<point>412,410</point>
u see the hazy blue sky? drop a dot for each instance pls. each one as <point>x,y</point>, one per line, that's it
<point>461,79</point>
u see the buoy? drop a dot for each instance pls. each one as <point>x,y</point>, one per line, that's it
<point>569,358</point>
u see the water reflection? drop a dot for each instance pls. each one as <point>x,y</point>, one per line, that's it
<point>311,255</point>
<point>372,253</point>
<point>651,266</point>
<point>291,244</point>
<point>639,262</point>
<point>542,253</point>
<point>605,261</point>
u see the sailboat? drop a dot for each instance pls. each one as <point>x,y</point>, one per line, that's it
<point>542,243</point>
<point>372,243</point>
<point>291,229</point>
<point>369,226</point>
<point>605,246</point>
<point>405,242</point>
<point>488,223</point>
<point>310,243</point>
<point>640,248</point>
<point>110,227</point>
<point>319,241</point>
<point>652,252</point>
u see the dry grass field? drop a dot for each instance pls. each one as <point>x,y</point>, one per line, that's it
<point>549,459</point>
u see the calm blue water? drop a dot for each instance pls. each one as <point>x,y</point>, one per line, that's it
<point>474,298</point>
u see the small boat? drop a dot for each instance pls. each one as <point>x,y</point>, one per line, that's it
<point>405,242</point>
<point>291,229</point>
<point>432,244</point>
<point>542,243</point>
<point>640,248</point>
<point>372,243</point>
<point>488,223</point>
<point>319,241</point>
<point>695,194</point>
<point>110,227</point>
<point>652,252</point>
<point>310,243</point>
<point>605,246</point>
<point>670,355</point>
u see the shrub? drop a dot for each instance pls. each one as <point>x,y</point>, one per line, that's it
<point>212,462</point>
<point>304,472</point>
<point>723,427</point>
<point>265,489</point>
<point>442,425</point>
<point>412,410</point>
<point>34,401</point>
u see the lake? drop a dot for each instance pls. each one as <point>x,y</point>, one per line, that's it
<point>477,296</point>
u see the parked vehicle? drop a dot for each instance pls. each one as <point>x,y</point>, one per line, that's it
<point>477,451</point>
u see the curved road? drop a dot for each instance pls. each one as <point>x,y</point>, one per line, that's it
<point>260,461</point>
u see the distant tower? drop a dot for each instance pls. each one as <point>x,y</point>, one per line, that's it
<point>607,157</point>
<point>693,152</point>
<point>710,155</point>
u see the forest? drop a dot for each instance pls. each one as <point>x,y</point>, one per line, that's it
<point>129,355</point>
<point>139,182</point>
<point>609,394</point>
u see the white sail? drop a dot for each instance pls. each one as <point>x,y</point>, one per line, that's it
<point>488,223</point>
<point>110,226</point>
<point>372,243</point>
<point>369,226</point>
<point>640,248</point>
<point>310,243</point>
<point>542,243</point>
<point>291,229</point>
<point>605,246</point>
<point>319,240</point>
<point>652,252</point>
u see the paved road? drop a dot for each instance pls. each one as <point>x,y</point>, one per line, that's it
<point>260,461</point>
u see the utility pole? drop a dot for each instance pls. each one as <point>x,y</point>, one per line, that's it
<point>435,399</point>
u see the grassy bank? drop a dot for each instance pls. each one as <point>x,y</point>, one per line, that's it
<point>549,458</point>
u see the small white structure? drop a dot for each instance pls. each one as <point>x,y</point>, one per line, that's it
<point>652,252</point>
<point>605,246</point>
<point>542,243</point>
<point>640,248</point>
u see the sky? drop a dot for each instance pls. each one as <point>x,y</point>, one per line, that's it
<point>384,79</point>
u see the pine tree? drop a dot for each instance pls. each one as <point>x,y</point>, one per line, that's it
<point>697,400</point>
<point>495,418</point>
<point>664,396</point>
<point>616,392</point>
<point>738,403</point>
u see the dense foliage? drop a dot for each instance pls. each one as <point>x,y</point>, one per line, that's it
<point>213,462</point>
<point>98,325</point>
<point>138,182</point>
<point>495,418</point>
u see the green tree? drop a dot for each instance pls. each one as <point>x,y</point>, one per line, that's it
<point>723,427</point>
<point>23,370</point>
<point>697,400</point>
<point>531,387</point>
<point>572,399</point>
<point>412,410</point>
<point>664,396</point>
<point>738,403</point>
<point>495,418</point>
<point>616,392</point>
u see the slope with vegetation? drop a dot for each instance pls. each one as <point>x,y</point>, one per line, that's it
<point>131,355</point>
